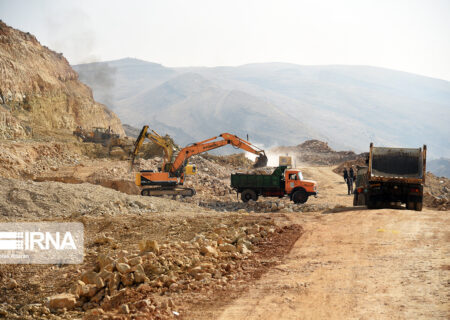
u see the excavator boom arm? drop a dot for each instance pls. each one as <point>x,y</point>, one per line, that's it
<point>138,144</point>
<point>168,147</point>
<point>242,144</point>
<point>209,144</point>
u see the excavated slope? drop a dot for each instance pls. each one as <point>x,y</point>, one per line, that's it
<point>40,92</point>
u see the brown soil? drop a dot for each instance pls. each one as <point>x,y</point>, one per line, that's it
<point>325,259</point>
<point>357,264</point>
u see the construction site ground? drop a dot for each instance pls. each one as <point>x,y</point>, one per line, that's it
<point>353,263</point>
<point>322,260</point>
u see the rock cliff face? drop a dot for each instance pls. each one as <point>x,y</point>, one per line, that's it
<point>40,92</point>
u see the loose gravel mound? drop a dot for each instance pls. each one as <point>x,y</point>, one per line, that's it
<point>28,199</point>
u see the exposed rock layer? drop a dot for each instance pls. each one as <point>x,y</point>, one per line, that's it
<point>40,92</point>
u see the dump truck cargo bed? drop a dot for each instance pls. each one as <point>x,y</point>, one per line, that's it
<point>261,181</point>
<point>400,164</point>
<point>245,180</point>
<point>397,163</point>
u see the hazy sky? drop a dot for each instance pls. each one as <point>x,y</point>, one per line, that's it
<point>407,35</point>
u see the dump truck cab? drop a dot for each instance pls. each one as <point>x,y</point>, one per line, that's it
<point>294,180</point>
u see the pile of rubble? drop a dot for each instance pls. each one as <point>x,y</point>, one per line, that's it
<point>442,203</point>
<point>314,152</point>
<point>26,160</point>
<point>149,281</point>
<point>37,200</point>
<point>437,192</point>
<point>358,162</point>
<point>268,205</point>
<point>238,160</point>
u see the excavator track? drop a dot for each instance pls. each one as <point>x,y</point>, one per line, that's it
<point>159,192</point>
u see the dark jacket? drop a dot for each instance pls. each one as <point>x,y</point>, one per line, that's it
<point>345,174</point>
<point>352,174</point>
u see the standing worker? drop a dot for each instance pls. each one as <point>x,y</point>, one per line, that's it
<point>352,175</point>
<point>349,181</point>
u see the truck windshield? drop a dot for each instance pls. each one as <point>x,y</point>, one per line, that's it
<point>296,176</point>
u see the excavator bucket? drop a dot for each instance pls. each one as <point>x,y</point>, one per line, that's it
<point>261,161</point>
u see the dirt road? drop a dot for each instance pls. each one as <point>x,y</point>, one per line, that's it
<point>358,264</point>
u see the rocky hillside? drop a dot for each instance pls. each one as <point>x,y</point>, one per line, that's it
<point>313,152</point>
<point>131,131</point>
<point>41,93</point>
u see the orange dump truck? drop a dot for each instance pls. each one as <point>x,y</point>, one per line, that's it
<point>282,182</point>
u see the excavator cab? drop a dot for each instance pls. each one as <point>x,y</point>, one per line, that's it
<point>190,170</point>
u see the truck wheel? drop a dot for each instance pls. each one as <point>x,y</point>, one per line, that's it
<point>418,206</point>
<point>299,196</point>
<point>410,205</point>
<point>361,200</point>
<point>355,199</point>
<point>371,204</point>
<point>249,194</point>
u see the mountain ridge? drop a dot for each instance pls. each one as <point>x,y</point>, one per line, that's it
<point>347,106</point>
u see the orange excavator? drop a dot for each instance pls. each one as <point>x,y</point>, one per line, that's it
<point>171,175</point>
